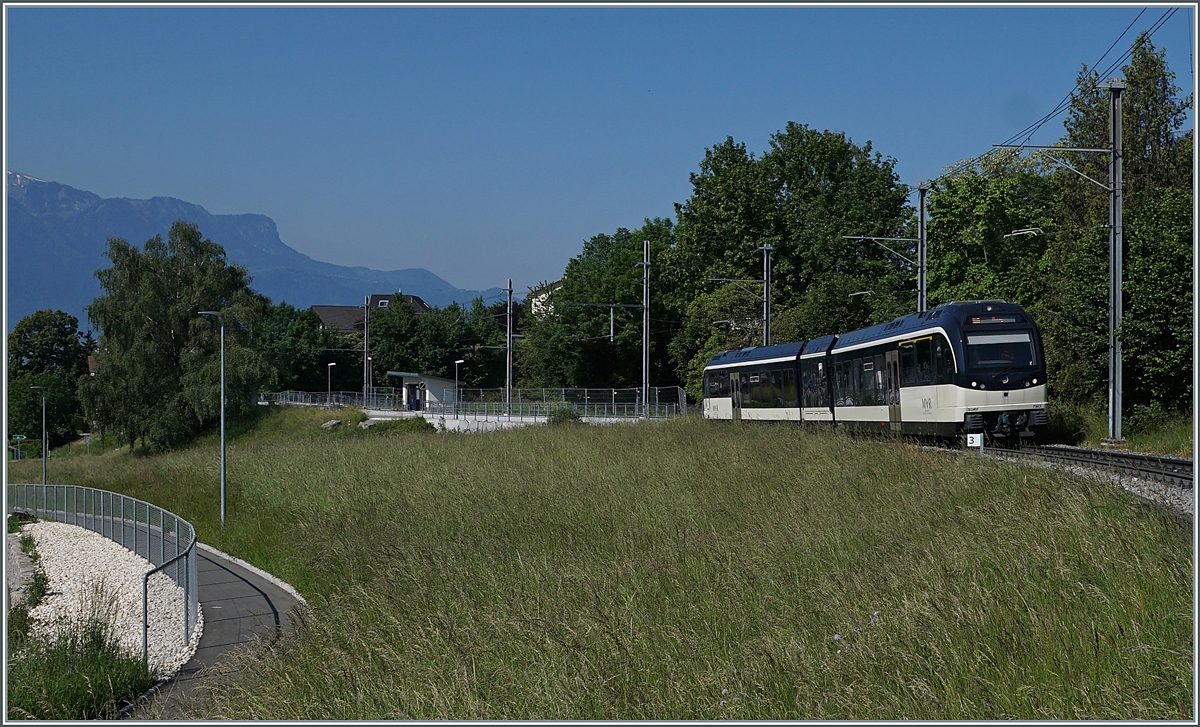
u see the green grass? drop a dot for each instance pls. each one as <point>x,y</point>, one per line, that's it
<point>79,672</point>
<point>19,622</point>
<point>1087,426</point>
<point>17,520</point>
<point>1173,436</point>
<point>680,570</point>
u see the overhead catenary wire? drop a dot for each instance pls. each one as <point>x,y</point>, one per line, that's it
<point>1063,105</point>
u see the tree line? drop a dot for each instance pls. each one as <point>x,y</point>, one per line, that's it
<point>157,369</point>
<point>811,188</point>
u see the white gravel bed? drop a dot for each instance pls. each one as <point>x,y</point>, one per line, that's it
<point>86,570</point>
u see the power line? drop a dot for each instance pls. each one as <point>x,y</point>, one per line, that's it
<point>1066,102</point>
<point>1063,105</point>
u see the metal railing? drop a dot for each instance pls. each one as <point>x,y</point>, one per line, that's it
<point>664,401</point>
<point>493,409</point>
<point>163,538</point>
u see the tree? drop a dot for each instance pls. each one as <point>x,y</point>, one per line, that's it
<point>802,196</point>
<point>1157,331</point>
<point>568,344</point>
<point>296,349</point>
<point>158,377</point>
<point>1157,170</point>
<point>431,342</point>
<point>49,341</point>
<point>973,253</point>
<point>46,348</point>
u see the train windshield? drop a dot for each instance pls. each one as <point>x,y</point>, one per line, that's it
<point>990,351</point>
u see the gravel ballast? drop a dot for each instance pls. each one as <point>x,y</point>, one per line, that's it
<point>86,570</point>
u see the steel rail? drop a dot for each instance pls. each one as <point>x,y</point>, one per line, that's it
<point>1176,471</point>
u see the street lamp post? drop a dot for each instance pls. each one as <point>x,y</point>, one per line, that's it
<point>456,363</point>
<point>369,389</point>
<point>329,382</point>
<point>222,317</point>
<point>43,388</point>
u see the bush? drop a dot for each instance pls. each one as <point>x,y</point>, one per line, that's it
<point>403,426</point>
<point>564,415</point>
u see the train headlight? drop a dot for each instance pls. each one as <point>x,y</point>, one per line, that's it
<point>1035,382</point>
<point>981,386</point>
<point>974,384</point>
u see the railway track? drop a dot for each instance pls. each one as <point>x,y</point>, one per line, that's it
<point>1173,471</point>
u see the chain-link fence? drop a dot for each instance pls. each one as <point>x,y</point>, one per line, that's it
<point>161,537</point>
<point>663,401</point>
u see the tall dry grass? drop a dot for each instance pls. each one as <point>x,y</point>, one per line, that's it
<point>686,570</point>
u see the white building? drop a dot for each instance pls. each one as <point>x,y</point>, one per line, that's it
<point>421,390</point>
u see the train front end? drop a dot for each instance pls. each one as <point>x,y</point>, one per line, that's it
<point>1000,382</point>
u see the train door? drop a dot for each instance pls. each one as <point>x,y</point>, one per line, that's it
<point>892,382</point>
<point>735,393</point>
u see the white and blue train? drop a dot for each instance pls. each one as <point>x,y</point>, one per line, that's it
<point>959,368</point>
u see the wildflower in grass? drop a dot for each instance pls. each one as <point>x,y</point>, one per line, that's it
<point>722,703</point>
<point>837,637</point>
<point>724,691</point>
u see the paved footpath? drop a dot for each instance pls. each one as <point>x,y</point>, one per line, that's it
<point>239,604</point>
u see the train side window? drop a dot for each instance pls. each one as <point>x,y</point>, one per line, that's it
<point>908,364</point>
<point>788,391</point>
<point>718,384</point>
<point>943,360</point>
<point>812,376</point>
<point>925,361</point>
<point>841,382</point>
<point>860,393</point>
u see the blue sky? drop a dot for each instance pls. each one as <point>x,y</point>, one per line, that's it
<point>484,144</point>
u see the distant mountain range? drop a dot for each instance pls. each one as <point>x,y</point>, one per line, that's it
<point>57,235</point>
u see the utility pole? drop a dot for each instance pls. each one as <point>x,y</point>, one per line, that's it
<point>920,239</point>
<point>766,251</point>
<point>1116,250</point>
<point>508,362</point>
<point>922,251</point>
<point>1116,234</point>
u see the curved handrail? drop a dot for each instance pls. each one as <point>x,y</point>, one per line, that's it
<point>97,510</point>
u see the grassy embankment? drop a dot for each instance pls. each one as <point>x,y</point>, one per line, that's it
<point>1088,426</point>
<point>686,570</point>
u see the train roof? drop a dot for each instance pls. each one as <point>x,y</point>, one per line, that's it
<point>946,315</point>
<point>819,345</point>
<point>757,353</point>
